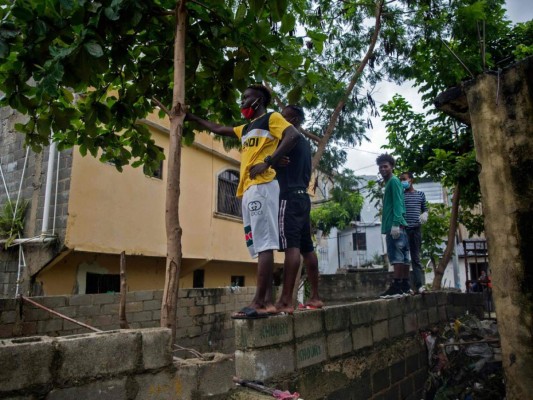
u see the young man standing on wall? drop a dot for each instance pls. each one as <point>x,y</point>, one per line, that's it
<point>416,215</point>
<point>294,218</point>
<point>393,225</point>
<point>257,185</point>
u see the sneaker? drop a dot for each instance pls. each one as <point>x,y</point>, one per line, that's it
<point>421,290</point>
<point>406,288</point>
<point>393,292</point>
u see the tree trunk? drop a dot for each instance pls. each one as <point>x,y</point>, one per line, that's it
<point>448,252</point>
<point>177,115</point>
<point>321,147</point>
<point>123,292</point>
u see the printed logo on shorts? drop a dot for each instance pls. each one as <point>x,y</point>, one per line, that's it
<point>248,236</point>
<point>254,205</point>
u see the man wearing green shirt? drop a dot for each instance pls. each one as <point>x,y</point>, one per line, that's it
<point>393,225</point>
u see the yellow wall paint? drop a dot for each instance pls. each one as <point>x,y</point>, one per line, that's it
<point>143,273</point>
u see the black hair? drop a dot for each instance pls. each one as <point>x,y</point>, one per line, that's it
<point>263,90</point>
<point>298,111</point>
<point>385,157</point>
<point>409,174</point>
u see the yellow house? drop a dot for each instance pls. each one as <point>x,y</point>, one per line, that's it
<point>110,212</point>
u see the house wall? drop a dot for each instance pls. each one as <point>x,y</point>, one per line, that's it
<point>25,179</point>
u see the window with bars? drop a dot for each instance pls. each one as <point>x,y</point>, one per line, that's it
<point>227,202</point>
<point>359,241</point>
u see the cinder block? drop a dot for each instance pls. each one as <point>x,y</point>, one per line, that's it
<point>265,364</point>
<point>162,385</point>
<point>339,343</point>
<point>310,352</point>
<point>442,298</point>
<point>361,313</point>
<point>396,327</point>
<point>429,299</point>
<point>433,314</point>
<point>96,354</point>
<point>80,300</point>
<point>337,318</point>
<point>114,389</point>
<point>308,323</point>
<point>156,347</point>
<point>8,317</point>
<point>142,316</point>
<point>423,319</point>
<point>380,331</point>
<point>185,380</point>
<point>254,333</point>
<point>25,362</point>
<point>106,298</point>
<point>380,309</point>
<point>143,295</point>
<point>410,323</point>
<point>50,326</point>
<point>216,376</point>
<point>52,301</point>
<point>395,309</point>
<point>361,337</point>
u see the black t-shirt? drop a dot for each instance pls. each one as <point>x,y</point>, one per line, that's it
<point>297,174</point>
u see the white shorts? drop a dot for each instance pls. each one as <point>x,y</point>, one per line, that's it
<point>260,207</point>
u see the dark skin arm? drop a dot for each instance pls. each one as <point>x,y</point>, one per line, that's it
<point>288,140</point>
<point>211,126</point>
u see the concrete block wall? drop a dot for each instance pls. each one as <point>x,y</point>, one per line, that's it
<point>107,365</point>
<point>353,286</point>
<point>204,321</point>
<point>284,346</point>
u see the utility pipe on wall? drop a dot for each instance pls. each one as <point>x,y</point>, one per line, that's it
<point>48,188</point>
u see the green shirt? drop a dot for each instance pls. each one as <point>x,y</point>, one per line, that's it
<point>393,206</point>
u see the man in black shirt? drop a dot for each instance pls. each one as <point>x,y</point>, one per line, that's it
<point>294,218</point>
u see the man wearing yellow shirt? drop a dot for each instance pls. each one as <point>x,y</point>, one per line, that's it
<point>264,140</point>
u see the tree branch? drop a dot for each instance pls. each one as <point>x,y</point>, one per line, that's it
<point>161,106</point>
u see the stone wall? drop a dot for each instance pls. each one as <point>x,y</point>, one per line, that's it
<point>204,322</point>
<point>32,189</point>
<point>353,285</point>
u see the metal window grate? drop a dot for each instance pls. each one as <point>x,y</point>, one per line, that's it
<point>228,203</point>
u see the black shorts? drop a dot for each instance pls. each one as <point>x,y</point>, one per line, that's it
<point>294,221</point>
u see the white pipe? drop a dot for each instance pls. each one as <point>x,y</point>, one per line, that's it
<point>33,240</point>
<point>55,199</point>
<point>48,189</point>
<point>21,181</point>
<point>5,185</point>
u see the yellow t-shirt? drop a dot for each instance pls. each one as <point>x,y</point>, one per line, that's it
<point>259,139</point>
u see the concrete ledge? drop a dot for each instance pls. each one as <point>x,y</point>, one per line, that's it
<point>265,364</point>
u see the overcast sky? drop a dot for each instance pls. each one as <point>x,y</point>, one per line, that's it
<point>362,159</point>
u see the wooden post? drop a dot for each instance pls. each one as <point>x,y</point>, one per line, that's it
<point>123,292</point>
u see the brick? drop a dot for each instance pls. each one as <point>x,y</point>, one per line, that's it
<point>156,348</point>
<point>396,327</point>
<point>26,362</point>
<point>397,371</point>
<point>110,353</point>
<point>308,323</point>
<point>433,315</point>
<point>210,309</point>
<point>380,309</point>
<point>142,316</point>
<point>361,337</point>
<point>411,364</point>
<point>410,323</point>
<point>52,301</point>
<point>263,332</point>
<point>264,364</point>
<point>159,386</point>
<point>361,313</point>
<point>423,319</point>
<point>194,311</point>
<point>380,380</point>
<point>143,295</point>
<point>80,300</point>
<point>380,331</point>
<point>50,326</point>
<point>114,389</point>
<point>106,298</point>
<point>337,318</point>
<point>339,343</point>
